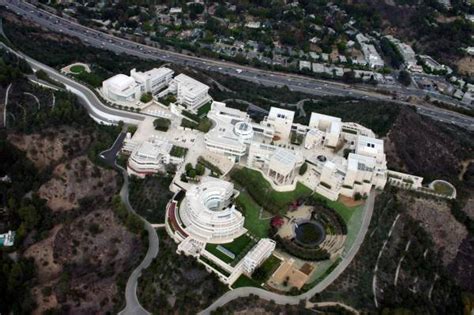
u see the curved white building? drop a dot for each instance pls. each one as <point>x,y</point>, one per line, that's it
<point>208,215</point>
<point>121,88</point>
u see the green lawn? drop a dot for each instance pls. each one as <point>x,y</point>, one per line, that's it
<point>250,210</point>
<point>351,215</point>
<point>244,281</point>
<point>353,225</point>
<point>442,188</point>
<point>237,247</point>
<point>345,211</point>
<point>77,69</point>
<point>262,192</point>
<point>267,268</point>
<point>212,248</point>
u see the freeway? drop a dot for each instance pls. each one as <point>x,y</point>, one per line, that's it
<point>294,82</point>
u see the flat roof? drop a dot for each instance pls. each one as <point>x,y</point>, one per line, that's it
<point>191,84</point>
<point>276,112</point>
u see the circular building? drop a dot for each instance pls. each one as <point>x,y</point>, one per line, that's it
<point>243,130</point>
<point>207,213</point>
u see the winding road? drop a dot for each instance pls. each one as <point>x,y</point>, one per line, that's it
<point>104,114</point>
<point>133,306</point>
<point>284,299</point>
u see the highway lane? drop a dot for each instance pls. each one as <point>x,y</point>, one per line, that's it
<point>268,78</point>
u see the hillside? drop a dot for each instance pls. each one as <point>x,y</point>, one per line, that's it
<point>73,251</point>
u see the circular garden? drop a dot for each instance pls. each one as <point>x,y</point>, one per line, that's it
<point>318,237</point>
<point>309,233</point>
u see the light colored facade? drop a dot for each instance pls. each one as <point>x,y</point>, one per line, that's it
<point>153,80</point>
<point>128,89</point>
<point>233,132</point>
<point>330,125</point>
<point>281,121</point>
<point>371,56</point>
<point>258,254</point>
<point>278,164</point>
<point>407,52</point>
<point>190,93</point>
<point>207,212</point>
<point>150,157</point>
<point>122,89</point>
<point>359,173</point>
<point>207,216</point>
<point>314,138</point>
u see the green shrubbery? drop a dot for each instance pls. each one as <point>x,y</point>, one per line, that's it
<point>162,124</point>
<point>262,192</point>
<point>146,97</point>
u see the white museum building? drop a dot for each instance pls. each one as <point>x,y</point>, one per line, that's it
<point>125,89</point>
<point>207,215</point>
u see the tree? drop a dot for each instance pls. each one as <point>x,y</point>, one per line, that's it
<point>357,196</point>
<point>188,167</point>
<point>29,215</point>
<point>200,169</point>
<point>303,168</point>
<point>162,124</point>
<point>192,173</point>
<point>146,97</point>
<point>404,78</point>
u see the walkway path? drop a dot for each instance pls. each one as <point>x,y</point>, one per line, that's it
<point>374,280</point>
<point>284,299</point>
<point>133,306</point>
<point>35,98</point>
<point>5,106</point>
<point>395,280</point>
<point>326,304</point>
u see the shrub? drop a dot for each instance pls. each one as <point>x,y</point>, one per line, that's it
<point>303,168</point>
<point>146,97</point>
<point>162,124</point>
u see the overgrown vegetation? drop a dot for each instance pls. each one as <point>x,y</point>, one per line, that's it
<point>179,276</point>
<point>149,196</point>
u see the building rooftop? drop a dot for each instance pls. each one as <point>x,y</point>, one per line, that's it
<point>120,82</point>
<point>191,84</point>
<point>281,113</point>
<point>153,73</point>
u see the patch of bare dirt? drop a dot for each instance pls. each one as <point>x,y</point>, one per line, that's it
<point>462,268</point>
<point>436,218</point>
<point>466,66</point>
<point>51,146</point>
<point>95,249</point>
<point>76,179</point>
<point>469,208</point>
<point>42,253</point>
<point>350,202</point>
<point>43,294</point>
